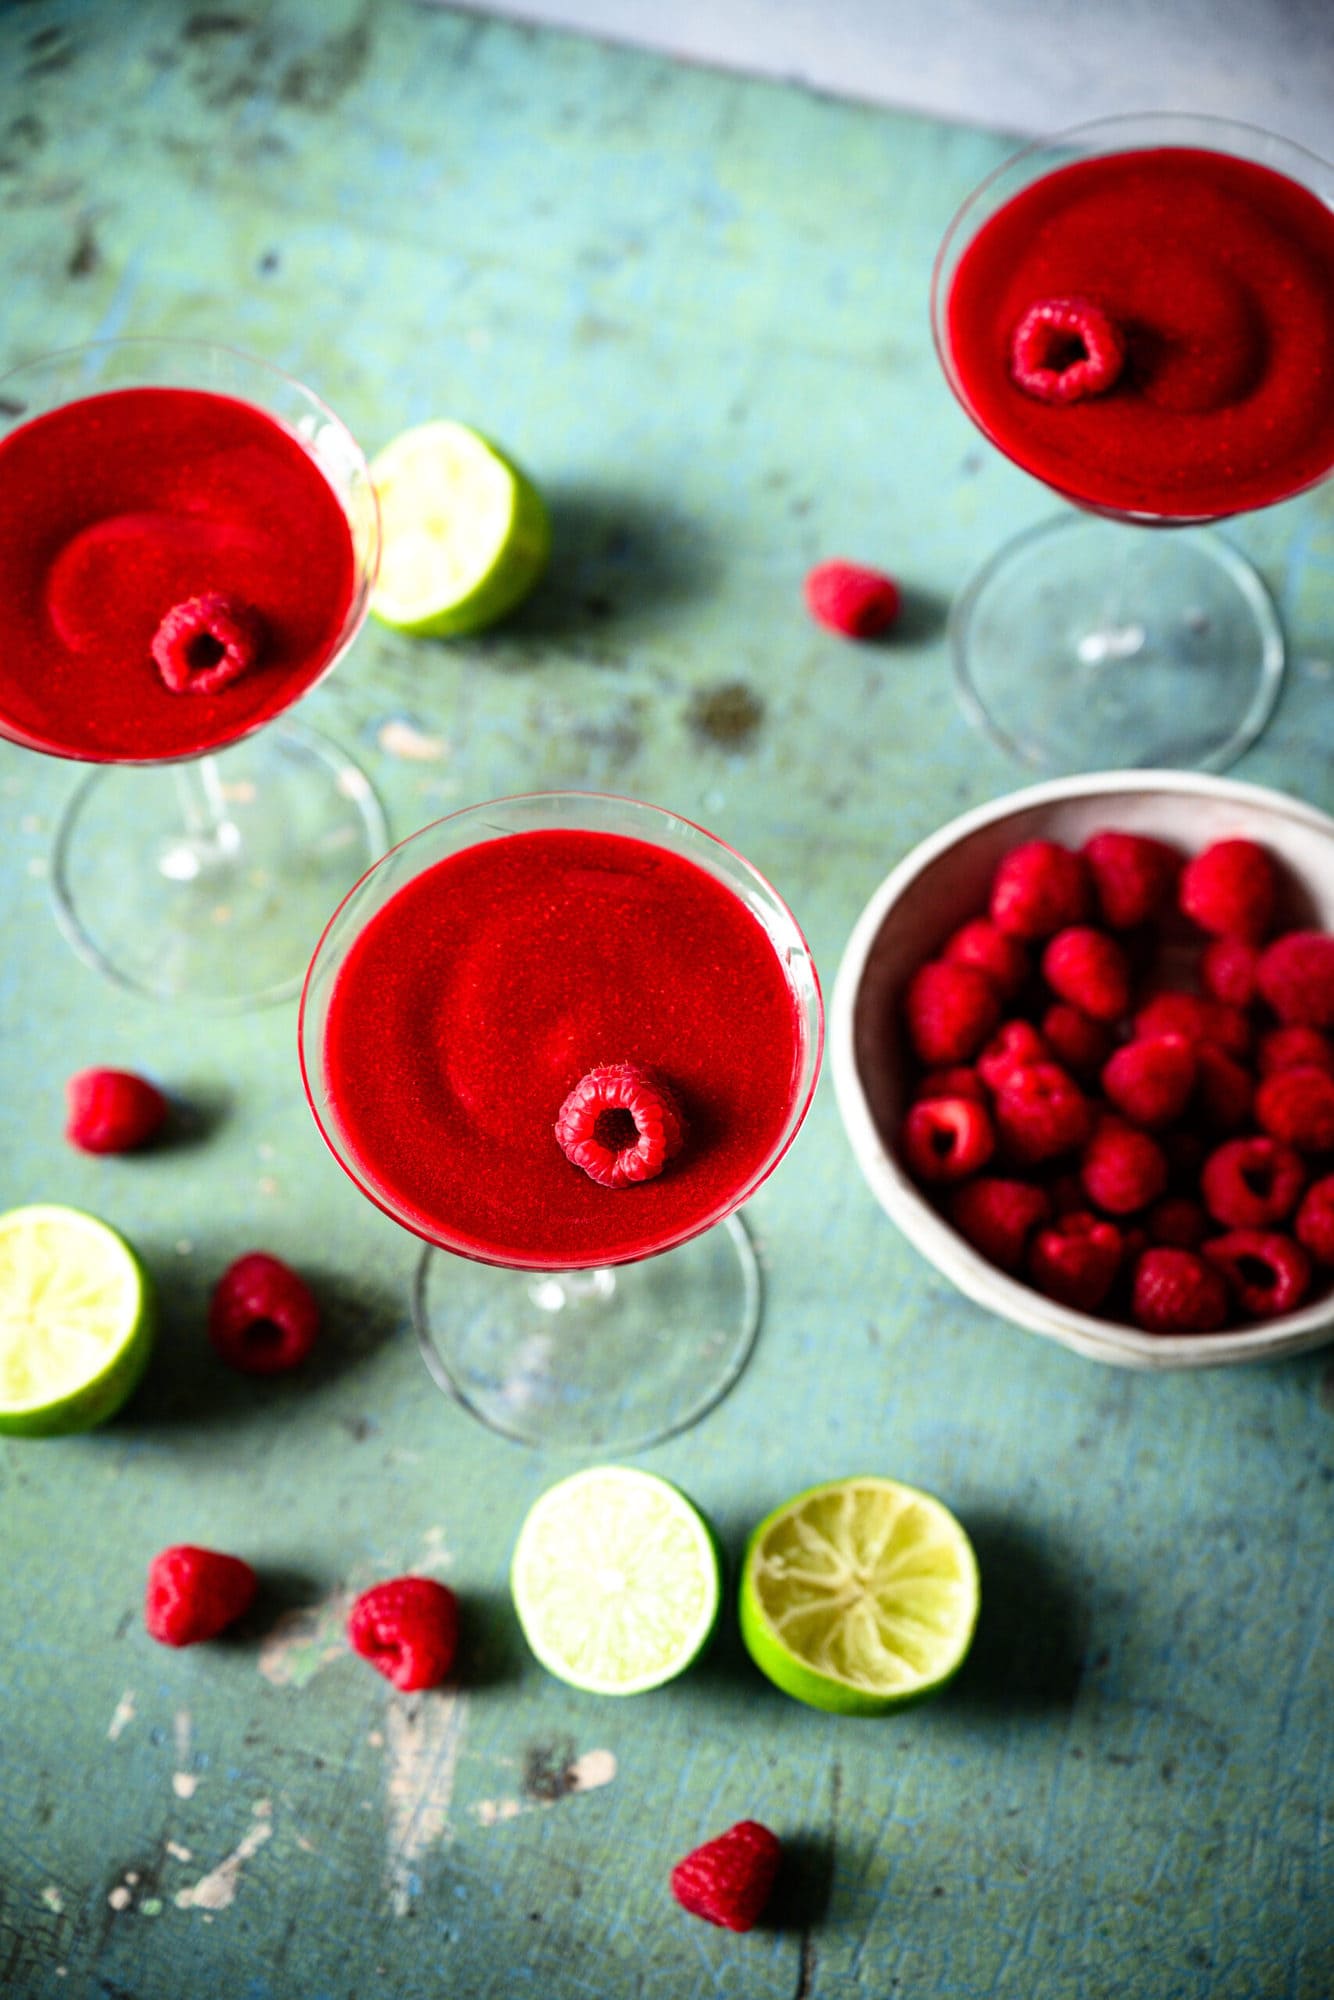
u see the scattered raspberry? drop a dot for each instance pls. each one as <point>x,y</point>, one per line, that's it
<point>729,1880</point>
<point>1133,877</point>
<point>1065,349</point>
<point>1040,1113</point>
<point>1076,1260</point>
<point>621,1124</point>
<point>1227,970</point>
<point>1176,1291</point>
<point>1002,958</point>
<point>1268,1272</point>
<point>959,1080</point>
<point>1223,1089</point>
<point>408,1629</point>
<point>1179,1221</point>
<point>1297,1105</point>
<point>1197,1018</point>
<point>1294,1048</point>
<point>851,600</point>
<point>112,1111</point>
<point>1038,888</point>
<point>947,1138</point>
<point>263,1318</point>
<point>995,1216</point>
<point>206,642</point>
<point>1252,1183</point>
<point>1314,1227</point>
<point>1150,1081</point>
<point>1076,1039</point>
<point>194,1594</point>
<point>1296,976</point>
<point>1013,1046</point>
<point>1088,969</point>
<point>1123,1169</point>
<point>950,1009</point>
<point>1229,890</point>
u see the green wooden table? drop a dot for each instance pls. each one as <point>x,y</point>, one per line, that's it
<point>696,307</point>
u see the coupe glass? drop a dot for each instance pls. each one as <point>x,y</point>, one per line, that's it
<point>1092,640</point>
<point>609,1351</point>
<point>205,876</point>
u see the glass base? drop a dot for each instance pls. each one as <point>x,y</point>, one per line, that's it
<point>608,1360</point>
<point>1089,644</point>
<point>210,882</point>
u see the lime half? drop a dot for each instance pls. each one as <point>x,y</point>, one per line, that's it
<point>859,1596</point>
<point>464,534</point>
<point>76,1321</point>
<point>616,1580</point>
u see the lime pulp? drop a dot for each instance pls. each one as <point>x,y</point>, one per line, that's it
<point>76,1321</point>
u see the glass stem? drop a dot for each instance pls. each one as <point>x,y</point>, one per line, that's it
<point>210,840</point>
<point>561,1291</point>
<point>1116,635</point>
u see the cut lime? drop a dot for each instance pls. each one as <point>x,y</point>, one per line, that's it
<point>616,1580</point>
<point>859,1596</point>
<point>76,1321</point>
<point>464,534</point>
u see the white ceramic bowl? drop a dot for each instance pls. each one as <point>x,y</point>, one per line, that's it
<point>944,881</point>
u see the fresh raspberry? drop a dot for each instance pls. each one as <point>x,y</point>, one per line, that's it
<point>996,1215</point>
<point>621,1124</point>
<point>1039,887</point>
<point>1267,1271</point>
<point>1075,1038</point>
<point>1014,1045</point>
<point>206,642</point>
<point>1297,1105</point>
<point>959,1080</point>
<point>1002,958</point>
<point>947,1138</point>
<point>1076,1260</point>
<point>112,1111</point>
<point>1087,968</point>
<point>1123,1169</point>
<point>408,1629</point>
<point>951,1010</point>
<point>1133,877</point>
<point>263,1318</point>
<point>1294,1048</point>
<point>1252,1183</point>
<point>1150,1081</point>
<point>1229,890</point>
<point>1197,1018</point>
<point>1227,970</point>
<point>1040,1113</point>
<point>194,1594</point>
<point>1179,1221</point>
<point>729,1880</point>
<point>1224,1090</point>
<point>1314,1227</point>
<point>1176,1291</point>
<point>1296,976</point>
<point>851,600</point>
<point>1065,349</point>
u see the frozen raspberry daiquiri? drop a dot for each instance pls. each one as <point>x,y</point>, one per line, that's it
<point>187,543</point>
<point>561,1035</point>
<point>1141,315</point>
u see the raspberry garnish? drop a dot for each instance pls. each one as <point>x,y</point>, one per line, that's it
<point>1039,887</point>
<point>1002,958</point>
<point>1252,1183</point>
<point>950,1011</point>
<point>407,1629</point>
<point>112,1110</point>
<point>729,1880</point>
<point>195,1593</point>
<point>206,642</point>
<point>947,1138</point>
<point>1123,1169</point>
<point>1040,1113</point>
<point>621,1124</point>
<point>1314,1227</point>
<point>851,600</point>
<point>1065,349</point>
<point>1076,1260</point>
<point>263,1317</point>
<point>1176,1291</point>
<point>1075,1038</point>
<point>1297,1105</point>
<point>1229,889</point>
<point>1150,1081</point>
<point>1296,976</point>
<point>1268,1272</point>
<point>1133,876</point>
<point>1089,969</point>
<point>995,1216</point>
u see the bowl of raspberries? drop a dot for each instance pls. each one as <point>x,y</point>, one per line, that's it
<point>1083,1048</point>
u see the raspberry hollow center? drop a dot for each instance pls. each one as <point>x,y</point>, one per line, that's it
<point>203,651</point>
<point>615,1129</point>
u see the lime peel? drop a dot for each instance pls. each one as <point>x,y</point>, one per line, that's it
<point>76,1321</point>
